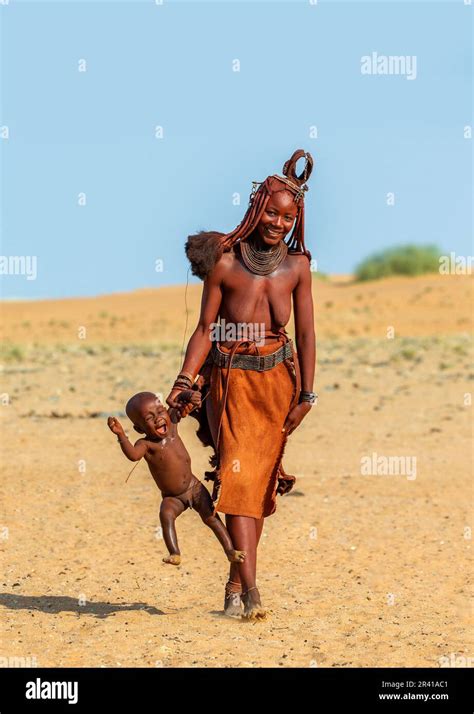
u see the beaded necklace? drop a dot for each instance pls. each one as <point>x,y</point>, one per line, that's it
<point>263,262</point>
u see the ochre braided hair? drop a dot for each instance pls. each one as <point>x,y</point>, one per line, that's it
<point>205,248</point>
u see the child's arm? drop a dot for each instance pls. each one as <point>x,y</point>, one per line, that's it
<point>134,453</point>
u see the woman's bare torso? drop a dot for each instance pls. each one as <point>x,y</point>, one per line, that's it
<point>256,299</point>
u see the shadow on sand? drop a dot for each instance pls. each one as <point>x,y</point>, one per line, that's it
<point>53,605</point>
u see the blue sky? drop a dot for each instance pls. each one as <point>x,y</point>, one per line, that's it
<point>170,65</point>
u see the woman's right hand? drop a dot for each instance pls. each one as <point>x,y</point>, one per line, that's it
<point>171,398</point>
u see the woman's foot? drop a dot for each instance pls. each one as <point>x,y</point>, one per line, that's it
<point>172,559</point>
<point>232,599</point>
<point>235,556</point>
<point>253,609</point>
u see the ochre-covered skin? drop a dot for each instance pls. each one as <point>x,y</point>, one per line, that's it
<point>257,403</point>
<point>170,466</point>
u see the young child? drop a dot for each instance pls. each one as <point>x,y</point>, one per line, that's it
<point>170,466</point>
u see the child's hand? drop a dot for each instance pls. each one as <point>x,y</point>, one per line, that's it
<point>188,400</point>
<point>115,426</point>
<point>190,396</point>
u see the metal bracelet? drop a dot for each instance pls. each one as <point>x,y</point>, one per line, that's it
<point>181,383</point>
<point>310,397</point>
<point>186,375</point>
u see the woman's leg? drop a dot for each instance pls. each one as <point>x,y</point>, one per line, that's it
<point>259,528</point>
<point>258,533</point>
<point>242,530</point>
<point>234,572</point>
<point>245,530</point>
<point>233,588</point>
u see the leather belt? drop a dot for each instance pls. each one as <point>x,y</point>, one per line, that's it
<point>259,363</point>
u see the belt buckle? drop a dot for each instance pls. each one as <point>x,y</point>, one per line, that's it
<point>261,364</point>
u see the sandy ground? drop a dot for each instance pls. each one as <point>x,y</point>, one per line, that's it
<point>358,570</point>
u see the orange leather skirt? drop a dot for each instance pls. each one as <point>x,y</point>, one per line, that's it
<point>250,442</point>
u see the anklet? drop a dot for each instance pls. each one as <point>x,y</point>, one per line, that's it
<point>232,582</point>
<point>247,591</point>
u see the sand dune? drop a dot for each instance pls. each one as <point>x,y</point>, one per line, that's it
<point>425,305</point>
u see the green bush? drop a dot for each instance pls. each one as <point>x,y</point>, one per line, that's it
<point>12,353</point>
<point>401,260</point>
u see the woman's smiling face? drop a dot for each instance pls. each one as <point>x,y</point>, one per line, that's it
<point>278,218</point>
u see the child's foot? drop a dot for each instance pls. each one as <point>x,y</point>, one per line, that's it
<point>235,556</point>
<point>253,609</point>
<point>232,599</point>
<point>172,559</point>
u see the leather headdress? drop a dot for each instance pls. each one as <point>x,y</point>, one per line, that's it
<point>259,198</point>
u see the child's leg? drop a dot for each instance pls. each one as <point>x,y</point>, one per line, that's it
<point>170,509</point>
<point>202,503</point>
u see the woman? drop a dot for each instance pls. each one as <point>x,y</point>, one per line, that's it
<point>256,387</point>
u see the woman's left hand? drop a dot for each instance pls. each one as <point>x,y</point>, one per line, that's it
<point>296,416</point>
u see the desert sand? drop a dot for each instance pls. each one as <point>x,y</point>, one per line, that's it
<point>357,569</point>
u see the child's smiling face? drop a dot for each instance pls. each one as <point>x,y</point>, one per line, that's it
<point>151,417</point>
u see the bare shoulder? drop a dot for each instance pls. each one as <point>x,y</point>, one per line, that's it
<point>142,444</point>
<point>301,266</point>
<point>222,267</point>
<point>226,260</point>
